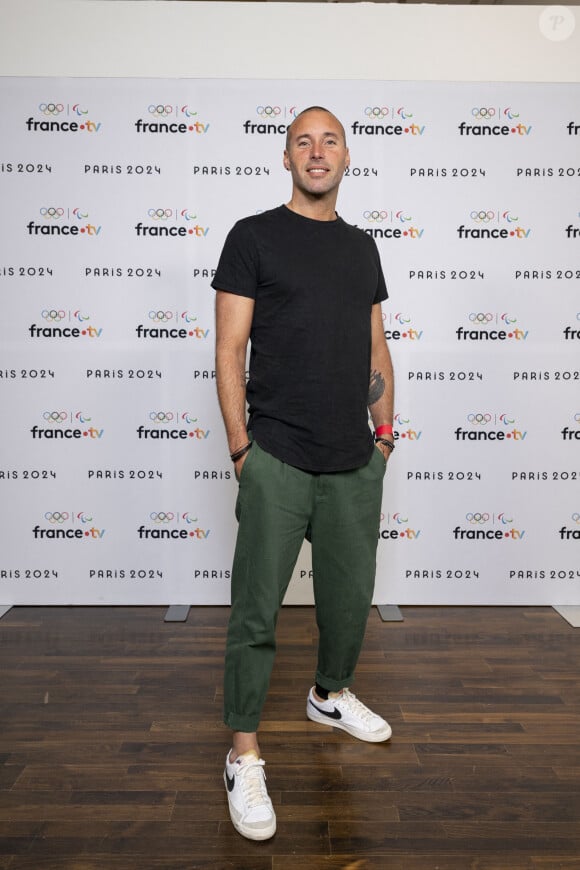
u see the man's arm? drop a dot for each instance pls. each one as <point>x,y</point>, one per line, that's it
<point>381,386</point>
<point>233,323</point>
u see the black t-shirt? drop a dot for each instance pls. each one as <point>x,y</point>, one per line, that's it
<point>314,284</point>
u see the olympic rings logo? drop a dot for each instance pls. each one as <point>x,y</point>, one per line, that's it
<point>53,315</point>
<point>160,214</point>
<point>162,517</point>
<point>52,212</point>
<point>51,108</point>
<point>483,112</point>
<point>480,317</point>
<point>482,217</point>
<point>376,111</point>
<point>160,316</point>
<point>375,216</point>
<point>161,416</point>
<point>56,516</point>
<point>576,517</point>
<point>479,419</point>
<point>160,111</point>
<point>268,111</point>
<point>55,416</point>
<point>477,518</point>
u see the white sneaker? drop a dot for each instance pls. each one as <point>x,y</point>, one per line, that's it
<point>347,712</point>
<point>251,809</point>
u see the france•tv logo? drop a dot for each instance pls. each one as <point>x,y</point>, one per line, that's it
<point>170,526</point>
<point>404,430</point>
<point>398,528</point>
<point>484,327</point>
<point>63,525</point>
<point>164,427</point>
<point>392,121</point>
<point>400,327</point>
<point>61,425</point>
<point>569,434</point>
<point>482,428</point>
<point>54,115</point>
<point>163,328</point>
<point>171,222</point>
<point>573,534</point>
<point>55,223</point>
<point>494,121</point>
<point>391,224</point>
<point>80,328</point>
<point>169,118</point>
<point>488,527</point>
<point>493,224</point>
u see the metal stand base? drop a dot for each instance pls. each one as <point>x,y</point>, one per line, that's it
<point>177,613</point>
<point>390,613</point>
<point>570,612</point>
<point>4,608</point>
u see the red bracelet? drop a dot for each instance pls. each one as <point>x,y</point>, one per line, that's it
<point>384,430</point>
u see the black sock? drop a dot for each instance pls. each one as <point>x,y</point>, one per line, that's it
<point>322,693</point>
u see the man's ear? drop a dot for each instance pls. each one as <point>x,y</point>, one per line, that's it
<point>285,160</point>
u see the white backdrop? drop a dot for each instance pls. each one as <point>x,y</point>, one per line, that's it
<point>111,228</point>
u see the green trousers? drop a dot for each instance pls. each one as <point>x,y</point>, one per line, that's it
<point>278,506</point>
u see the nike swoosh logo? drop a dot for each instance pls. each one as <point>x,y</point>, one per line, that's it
<point>335,714</point>
<point>230,782</point>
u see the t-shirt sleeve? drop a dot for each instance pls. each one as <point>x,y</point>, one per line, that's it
<point>381,293</point>
<point>237,270</point>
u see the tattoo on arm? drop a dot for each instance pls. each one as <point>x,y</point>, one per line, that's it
<point>376,387</point>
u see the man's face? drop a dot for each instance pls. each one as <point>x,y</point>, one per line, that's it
<point>316,154</point>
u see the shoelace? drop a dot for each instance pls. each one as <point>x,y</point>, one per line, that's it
<point>357,707</point>
<point>252,779</point>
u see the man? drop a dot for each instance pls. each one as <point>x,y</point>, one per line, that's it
<point>305,288</point>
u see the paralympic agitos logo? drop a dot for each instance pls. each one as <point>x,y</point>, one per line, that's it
<point>62,118</point>
<point>169,118</point>
<point>493,224</point>
<point>61,221</point>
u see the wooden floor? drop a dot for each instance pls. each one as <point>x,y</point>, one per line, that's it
<point>112,747</point>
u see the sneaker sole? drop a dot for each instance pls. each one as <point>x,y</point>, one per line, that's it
<point>368,736</point>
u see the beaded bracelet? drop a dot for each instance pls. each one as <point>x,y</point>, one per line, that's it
<point>242,452</point>
<point>389,444</point>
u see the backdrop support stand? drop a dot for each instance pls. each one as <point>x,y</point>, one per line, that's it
<point>570,612</point>
<point>177,613</point>
<point>390,612</point>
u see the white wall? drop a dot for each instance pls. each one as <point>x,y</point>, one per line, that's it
<point>286,40</point>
